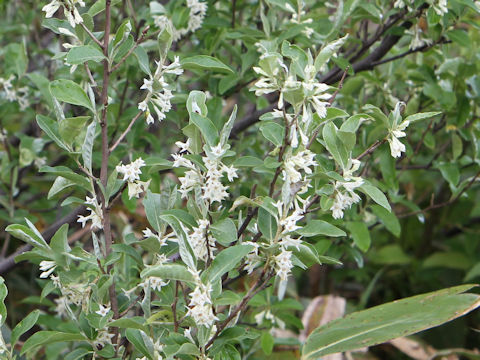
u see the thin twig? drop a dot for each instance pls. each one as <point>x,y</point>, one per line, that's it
<point>433,206</point>
<point>132,49</point>
<point>92,36</point>
<point>255,289</point>
<point>371,149</point>
<point>127,130</point>
<point>174,308</point>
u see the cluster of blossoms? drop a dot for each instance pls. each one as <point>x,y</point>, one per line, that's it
<point>198,10</point>
<point>131,173</point>
<point>162,239</point>
<point>293,164</point>
<point>11,94</point>
<point>200,306</point>
<point>96,214</point>
<point>345,195</point>
<point>297,17</point>
<point>198,241</point>
<point>276,76</point>
<point>69,9</point>
<point>159,95</point>
<point>439,6</point>
<point>210,181</point>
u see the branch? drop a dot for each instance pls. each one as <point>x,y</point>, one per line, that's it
<point>255,289</point>
<point>127,130</point>
<point>91,35</point>
<point>445,203</point>
<point>132,49</point>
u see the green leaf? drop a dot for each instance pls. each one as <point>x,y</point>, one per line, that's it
<point>26,234</point>
<point>15,59</point>
<point>273,132</point>
<point>334,146</point>
<point>247,161</point>
<point>267,224</point>
<point>450,172</point>
<point>50,127</point>
<point>68,174</point>
<point>136,338</point>
<point>421,116</point>
<point>58,186</point>
<point>376,195</point>
<point>267,342</point>
<point>70,92</point>
<point>320,227</point>
<point>49,337</point>
<point>129,323</point>
<point>388,219</point>
<point>224,231</point>
<point>225,261</point>
<point>87,147</point>
<point>389,321</point>
<point>205,62</point>
<point>3,295</point>
<point>153,208</point>
<point>360,234</point>
<point>42,84</point>
<point>23,326</point>
<point>70,128</point>
<point>142,58</point>
<point>184,248</point>
<point>206,127</point>
<point>81,54</point>
<point>169,271</point>
<point>328,51</point>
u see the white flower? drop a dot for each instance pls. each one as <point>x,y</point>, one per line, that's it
<point>184,147</point>
<point>142,106</point>
<point>396,146</point>
<point>174,68</point>
<point>156,283</point>
<point>231,172</point>
<point>51,8</point>
<point>131,172</point>
<point>103,310</point>
<point>96,215</point>
<point>217,150</point>
<point>147,85</point>
<point>345,199</point>
<point>200,306</point>
<point>103,338</point>
<point>198,241</point>
<point>47,267</point>
<point>283,264</point>
<point>440,7</point>
<point>136,188</point>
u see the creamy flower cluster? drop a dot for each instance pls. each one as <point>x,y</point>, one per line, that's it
<point>198,10</point>
<point>345,195</point>
<point>210,181</point>
<point>11,94</point>
<point>131,173</point>
<point>159,95</point>
<point>397,131</point>
<point>198,241</point>
<point>96,215</point>
<point>302,161</point>
<point>200,306</point>
<point>439,6</point>
<point>69,9</point>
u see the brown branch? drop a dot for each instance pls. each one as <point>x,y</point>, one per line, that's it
<point>93,36</point>
<point>132,49</point>
<point>433,206</point>
<point>255,289</point>
<point>371,149</point>
<point>174,308</point>
<point>127,130</point>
